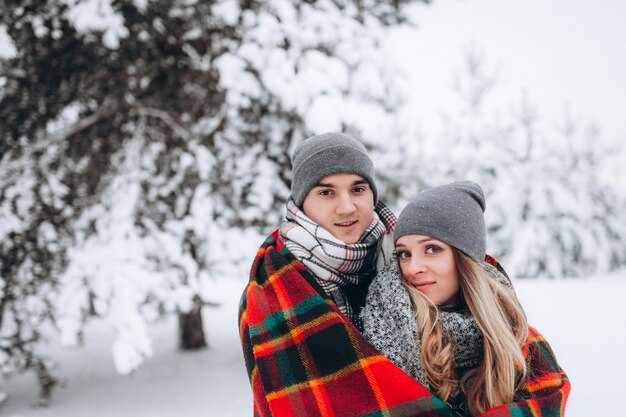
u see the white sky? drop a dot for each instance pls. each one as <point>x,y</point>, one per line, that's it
<point>562,54</point>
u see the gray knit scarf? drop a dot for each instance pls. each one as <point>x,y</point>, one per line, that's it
<point>390,326</point>
<point>333,262</point>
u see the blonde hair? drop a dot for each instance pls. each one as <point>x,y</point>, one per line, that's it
<point>501,319</point>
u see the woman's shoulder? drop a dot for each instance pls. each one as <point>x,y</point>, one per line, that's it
<point>496,271</point>
<point>388,320</point>
<point>387,305</point>
<point>387,286</point>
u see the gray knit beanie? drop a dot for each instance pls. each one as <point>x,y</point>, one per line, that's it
<point>451,213</point>
<point>328,154</point>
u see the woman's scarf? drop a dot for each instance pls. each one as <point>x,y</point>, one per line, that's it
<point>336,264</point>
<point>390,326</point>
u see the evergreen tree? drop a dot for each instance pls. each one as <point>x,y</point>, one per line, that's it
<point>139,139</point>
<point>549,211</point>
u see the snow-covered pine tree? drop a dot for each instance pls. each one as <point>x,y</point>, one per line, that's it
<point>145,144</point>
<point>550,210</point>
<point>556,216</point>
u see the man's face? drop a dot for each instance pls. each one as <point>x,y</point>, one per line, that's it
<point>343,204</point>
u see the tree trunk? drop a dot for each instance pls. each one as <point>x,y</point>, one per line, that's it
<point>46,383</point>
<point>191,331</point>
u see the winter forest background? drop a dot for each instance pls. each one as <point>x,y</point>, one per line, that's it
<point>144,154</point>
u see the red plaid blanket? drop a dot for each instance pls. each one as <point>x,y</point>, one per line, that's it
<point>304,358</point>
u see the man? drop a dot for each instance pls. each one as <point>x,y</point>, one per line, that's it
<point>299,314</point>
<point>332,225</point>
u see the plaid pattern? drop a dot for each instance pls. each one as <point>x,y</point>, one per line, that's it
<point>304,358</point>
<point>546,388</point>
<point>333,262</point>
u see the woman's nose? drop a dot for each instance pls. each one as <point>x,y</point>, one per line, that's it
<point>416,266</point>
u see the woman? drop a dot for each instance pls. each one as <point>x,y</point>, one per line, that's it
<point>447,317</point>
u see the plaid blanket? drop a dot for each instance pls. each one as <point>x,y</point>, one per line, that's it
<point>304,358</point>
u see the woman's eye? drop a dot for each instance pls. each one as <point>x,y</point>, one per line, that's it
<point>403,254</point>
<point>432,249</point>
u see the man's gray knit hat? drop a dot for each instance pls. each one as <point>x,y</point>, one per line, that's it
<point>451,213</point>
<point>328,154</point>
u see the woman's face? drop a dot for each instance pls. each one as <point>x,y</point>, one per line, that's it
<point>428,265</point>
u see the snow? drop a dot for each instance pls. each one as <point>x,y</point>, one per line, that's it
<point>137,271</point>
<point>583,319</point>
<point>7,47</point>
<point>209,382</point>
<point>228,10</point>
<point>99,15</point>
<point>585,322</point>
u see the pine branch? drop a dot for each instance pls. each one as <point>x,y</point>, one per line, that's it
<point>108,108</point>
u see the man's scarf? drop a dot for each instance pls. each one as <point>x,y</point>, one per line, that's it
<point>304,358</point>
<point>336,264</point>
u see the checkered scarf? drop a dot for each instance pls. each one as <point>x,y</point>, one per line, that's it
<point>334,263</point>
<point>304,359</point>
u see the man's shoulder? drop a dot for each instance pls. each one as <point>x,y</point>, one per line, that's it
<point>272,259</point>
<point>272,255</point>
<point>272,241</point>
<point>271,245</point>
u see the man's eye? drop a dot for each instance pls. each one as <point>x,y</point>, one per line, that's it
<point>325,192</point>
<point>359,189</point>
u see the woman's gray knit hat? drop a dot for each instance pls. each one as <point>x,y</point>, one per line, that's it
<point>328,154</point>
<point>451,213</point>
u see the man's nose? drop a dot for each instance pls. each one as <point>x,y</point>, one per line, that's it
<point>346,205</point>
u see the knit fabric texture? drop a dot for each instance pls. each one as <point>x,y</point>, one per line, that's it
<point>335,264</point>
<point>328,154</point>
<point>389,324</point>
<point>304,358</point>
<point>451,213</point>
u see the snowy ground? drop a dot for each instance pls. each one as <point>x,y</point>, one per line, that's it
<point>585,321</point>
